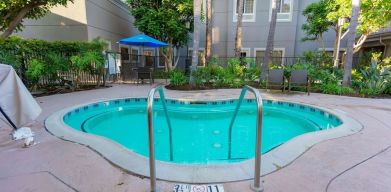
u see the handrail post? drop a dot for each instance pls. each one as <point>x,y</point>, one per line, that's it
<point>152,166</point>
<point>256,186</point>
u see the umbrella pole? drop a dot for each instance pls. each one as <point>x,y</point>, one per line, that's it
<point>8,119</point>
<point>143,55</point>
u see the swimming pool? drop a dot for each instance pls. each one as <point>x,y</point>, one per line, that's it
<point>96,125</point>
<point>199,128</point>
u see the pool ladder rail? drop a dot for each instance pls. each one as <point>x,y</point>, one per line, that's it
<point>152,167</point>
<point>257,185</point>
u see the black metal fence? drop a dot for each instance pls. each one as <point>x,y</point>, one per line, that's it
<point>123,65</point>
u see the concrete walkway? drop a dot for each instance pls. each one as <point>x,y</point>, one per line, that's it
<point>360,162</point>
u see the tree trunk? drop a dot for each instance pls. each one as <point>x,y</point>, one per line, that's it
<point>321,43</point>
<point>208,35</point>
<point>270,40</point>
<point>347,77</point>
<point>168,58</point>
<point>16,21</point>
<point>238,37</point>
<point>196,38</point>
<point>336,46</point>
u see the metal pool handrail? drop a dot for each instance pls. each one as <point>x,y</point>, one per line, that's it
<point>152,167</point>
<point>256,186</point>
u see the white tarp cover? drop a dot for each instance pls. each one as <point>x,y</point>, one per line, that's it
<point>15,100</point>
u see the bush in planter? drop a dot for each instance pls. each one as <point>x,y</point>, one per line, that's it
<point>251,73</point>
<point>178,78</point>
<point>202,76</point>
<point>235,67</point>
<point>334,88</point>
<point>376,78</point>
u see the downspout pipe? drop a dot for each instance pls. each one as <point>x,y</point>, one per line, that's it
<point>385,46</point>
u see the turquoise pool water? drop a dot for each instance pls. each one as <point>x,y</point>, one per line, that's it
<point>199,129</point>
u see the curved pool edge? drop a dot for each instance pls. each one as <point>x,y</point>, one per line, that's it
<point>137,164</point>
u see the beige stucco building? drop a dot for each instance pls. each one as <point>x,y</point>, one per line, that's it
<point>84,20</point>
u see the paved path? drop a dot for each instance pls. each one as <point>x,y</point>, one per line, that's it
<point>360,162</point>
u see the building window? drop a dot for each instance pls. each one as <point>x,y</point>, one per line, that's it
<point>248,7</point>
<point>124,53</point>
<point>248,11</point>
<point>285,11</point>
<point>149,58</point>
<point>201,56</point>
<point>330,52</point>
<point>134,55</point>
<point>245,52</point>
<point>277,56</point>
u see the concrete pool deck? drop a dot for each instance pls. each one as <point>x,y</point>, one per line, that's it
<point>358,162</point>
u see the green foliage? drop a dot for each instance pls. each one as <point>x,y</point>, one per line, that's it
<point>323,15</point>
<point>252,73</point>
<point>178,78</point>
<point>212,61</point>
<point>374,14</point>
<point>10,59</point>
<point>317,22</point>
<point>234,67</point>
<point>164,20</point>
<point>10,10</point>
<point>35,71</point>
<point>333,88</point>
<point>234,75</point>
<point>374,79</point>
<point>202,75</point>
<point>54,56</point>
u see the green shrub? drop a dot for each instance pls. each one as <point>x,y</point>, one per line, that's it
<point>234,67</point>
<point>212,62</point>
<point>375,79</point>
<point>202,75</point>
<point>252,74</point>
<point>54,56</point>
<point>177,78</point>
<point>388,89</point>
<point>34,72</point>
<point>332,88</point>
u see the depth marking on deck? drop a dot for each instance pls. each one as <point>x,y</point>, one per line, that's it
<point>198,188</point>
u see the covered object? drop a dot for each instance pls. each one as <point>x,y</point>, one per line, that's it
<point>16,102</point>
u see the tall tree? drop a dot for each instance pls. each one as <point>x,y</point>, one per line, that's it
<point>270,39</point>
<point>196,37</point>
<point>13,12</point>
<point>374,15</point>
<point>350,44</point>
<point>164,20</point>
<point>239,20</point>
<point>208,31</point>
<point>317,24</point>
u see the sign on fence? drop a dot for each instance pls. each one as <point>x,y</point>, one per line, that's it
<point>114,63</point>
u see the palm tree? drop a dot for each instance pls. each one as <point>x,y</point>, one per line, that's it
<point>208,35</point>
<point>196,37</point>
<point>270,39</point>
<point>347,77</point>
<point>238,38</point>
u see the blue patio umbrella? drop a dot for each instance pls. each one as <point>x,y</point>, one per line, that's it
<point>143,40</point>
